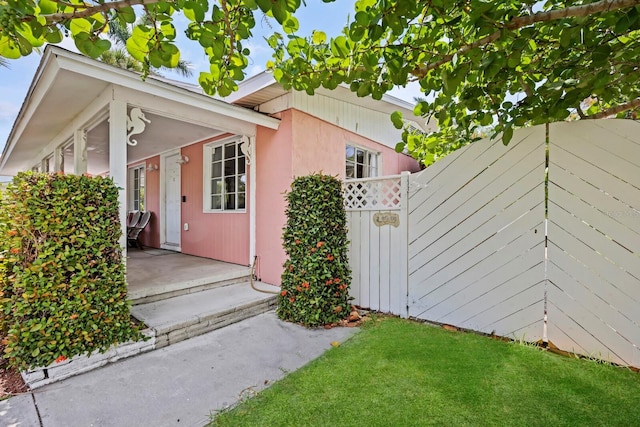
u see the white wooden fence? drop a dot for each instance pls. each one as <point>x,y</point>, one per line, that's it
<point>479,254</point>
<point>594,239</point>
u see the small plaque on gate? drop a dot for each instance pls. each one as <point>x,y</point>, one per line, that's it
<point>386,218</point>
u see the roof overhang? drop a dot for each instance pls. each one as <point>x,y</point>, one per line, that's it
<point>70,92</point>
<point>263,87</point>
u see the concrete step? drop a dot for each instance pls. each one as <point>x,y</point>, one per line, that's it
<point>185,316</point>
<point>159,292</point>
<point>169,321</point>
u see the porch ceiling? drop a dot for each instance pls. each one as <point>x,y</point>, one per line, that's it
<point>161,134</point>
<point>71,92</point>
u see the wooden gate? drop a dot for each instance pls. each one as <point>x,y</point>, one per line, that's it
<point>377,217</point>
<point>476,251</point>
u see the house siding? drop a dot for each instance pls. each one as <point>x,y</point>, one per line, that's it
<point>372,124</point>
<point>274,176</point>
<point>220,235</point>
<point>313,136</point>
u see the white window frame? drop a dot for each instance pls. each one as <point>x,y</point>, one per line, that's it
<point>207,177</point>
<point>377,167</point>
<point>47,164</point>
<point>132,186</point>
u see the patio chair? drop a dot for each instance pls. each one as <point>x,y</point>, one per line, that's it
<point>133,217</point>
<point>134,233</point>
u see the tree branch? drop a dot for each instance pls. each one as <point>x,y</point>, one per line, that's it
<point>92,10</point>
<point>525,86</point>
<point>615,110</point>
<point>524,21</point>
<point>227,22</point>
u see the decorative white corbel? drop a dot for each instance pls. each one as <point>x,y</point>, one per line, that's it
<point>135,124</point>
<point>245,147</point>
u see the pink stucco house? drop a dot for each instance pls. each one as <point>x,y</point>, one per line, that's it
<point>212,171</point>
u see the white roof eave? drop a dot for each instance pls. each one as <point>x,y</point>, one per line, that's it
<point>83,65</point>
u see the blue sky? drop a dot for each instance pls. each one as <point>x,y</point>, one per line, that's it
<point>328,17</point>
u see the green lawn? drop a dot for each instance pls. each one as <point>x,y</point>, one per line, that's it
<point>403,373</point>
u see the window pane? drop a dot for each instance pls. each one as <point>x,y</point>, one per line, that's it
<point>360,172</point>
<point>241,201</point>
<point>230,184</point>
<point>216,170</point>
<point>217,154</point>
<point>216,202</point>
<point>241,165</point>
<point>350,153</point>
<point>141,203</point>
<point>216,186</point>
<point>350,171</point>
<point>229,167</point>
<point>242,183</point>
<point>230,150</point>
<point>359,156</point>
<point>230,201</point>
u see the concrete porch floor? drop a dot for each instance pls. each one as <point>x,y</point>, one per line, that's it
<point>154,274</point>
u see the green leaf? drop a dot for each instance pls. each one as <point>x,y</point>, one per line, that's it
<point>340,47</point>
<point>507,134</point>
<point>290,25</point>
<point>47,7</point>
<point>53,36</point>
<point>396,119</point>
<point>194,11</point>
<point>127,14</point>
<point>80,25</point>
<point>318,37</point>
<point>601,54</point>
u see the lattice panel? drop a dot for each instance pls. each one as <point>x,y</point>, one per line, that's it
<point>377,194</point>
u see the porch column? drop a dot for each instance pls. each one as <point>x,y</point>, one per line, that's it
<point>118,161</point>
<point>252,199</point>
<point>58,159</point>
<point>80,152</point>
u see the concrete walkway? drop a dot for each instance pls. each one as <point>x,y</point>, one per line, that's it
<point>179,385</point>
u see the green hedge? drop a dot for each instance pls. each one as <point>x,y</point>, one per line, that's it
<point>316,277</point>
<point>62,283</point>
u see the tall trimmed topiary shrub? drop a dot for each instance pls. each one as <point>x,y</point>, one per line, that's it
<point>316,277</point>
<point>62,284</point>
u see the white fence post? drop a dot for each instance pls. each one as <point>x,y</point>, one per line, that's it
<point>403,286</point>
